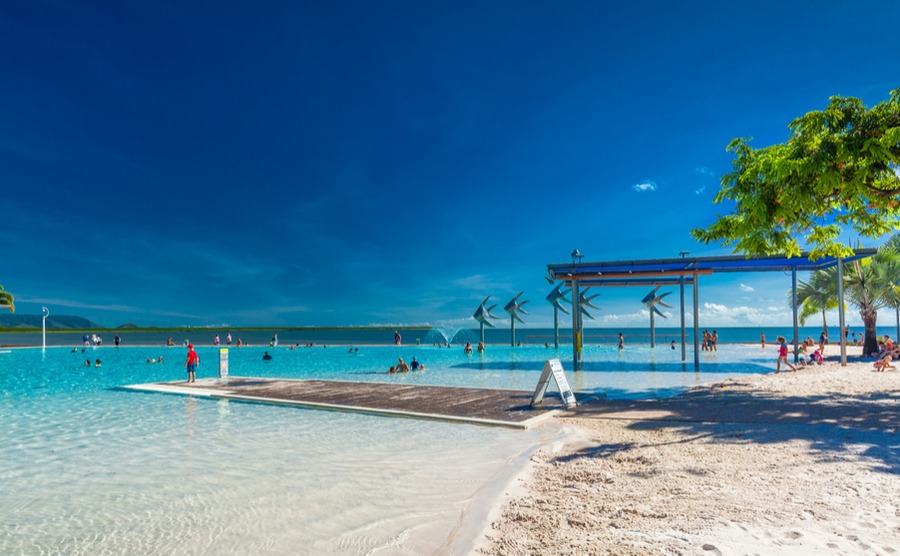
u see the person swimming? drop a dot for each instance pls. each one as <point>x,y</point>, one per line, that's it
<point>267,357</point>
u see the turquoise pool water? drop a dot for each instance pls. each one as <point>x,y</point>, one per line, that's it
<point>91,469</point>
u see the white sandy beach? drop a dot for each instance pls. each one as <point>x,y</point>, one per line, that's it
<point>790,463</point>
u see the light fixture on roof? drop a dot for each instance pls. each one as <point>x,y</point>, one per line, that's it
<point>577,256</point>
<point>684,253</point>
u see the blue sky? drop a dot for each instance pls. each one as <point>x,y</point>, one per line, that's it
<point>356,163</point>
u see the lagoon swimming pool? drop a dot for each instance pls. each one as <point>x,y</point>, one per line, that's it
<point>91,469</point>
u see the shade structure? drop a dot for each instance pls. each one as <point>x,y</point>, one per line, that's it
<point>686,271</point>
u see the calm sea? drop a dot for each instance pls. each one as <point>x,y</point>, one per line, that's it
<point>422,336</point>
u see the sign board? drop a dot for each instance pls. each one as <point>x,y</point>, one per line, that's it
<point>553,369</point>
<point>223,362</point>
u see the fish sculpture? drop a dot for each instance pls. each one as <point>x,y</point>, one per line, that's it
<point>514,308</point>
<point>651,300</point>
<point>584,300</point>
<point>483,314</point>
<point>556,296</point>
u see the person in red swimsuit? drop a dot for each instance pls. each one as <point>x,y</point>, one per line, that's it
<point>193,360</point>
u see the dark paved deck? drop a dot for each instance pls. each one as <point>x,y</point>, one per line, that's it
<point>508,408</point>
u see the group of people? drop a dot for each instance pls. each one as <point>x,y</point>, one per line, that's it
<point>468,348</point>
<point>403,367</point>
<point>93,340</point>
<point>710,341</point>
<point>807,352</point>
<point>886,353</point>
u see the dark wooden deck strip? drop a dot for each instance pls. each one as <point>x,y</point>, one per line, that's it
<point>509,408</point>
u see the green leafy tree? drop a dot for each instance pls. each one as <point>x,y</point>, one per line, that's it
<point>7,300</point>
<point>839,167</point>
<point>819,294</point>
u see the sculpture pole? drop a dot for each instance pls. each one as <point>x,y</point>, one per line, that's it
<point>555,297</point>
<point>651,300</point>
<point>482,314</point>
<point>514,308</point>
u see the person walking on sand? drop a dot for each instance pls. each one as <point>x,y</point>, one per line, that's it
<point>191,363</point>
<point>782,355</point>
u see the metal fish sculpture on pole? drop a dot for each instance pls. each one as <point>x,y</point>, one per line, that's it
<point>651,300</point>
<point>585,301</point>
<point>555,298</point>
<point>514,308</point>
<point>482,315</point>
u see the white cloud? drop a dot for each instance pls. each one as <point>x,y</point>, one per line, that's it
<point>644,186</point>
<point>700,190</point>
<point>745,288</point>
<point>704,170</point>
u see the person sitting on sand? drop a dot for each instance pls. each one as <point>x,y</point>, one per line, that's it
<point>818,357</point>
<point>802,356</point>
<point>782,355</point>
<point>402,367</point>
<point>883,364</point>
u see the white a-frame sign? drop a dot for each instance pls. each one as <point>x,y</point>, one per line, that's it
<point>553,369</point>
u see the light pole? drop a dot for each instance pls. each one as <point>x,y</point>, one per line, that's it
<point>46,312</point>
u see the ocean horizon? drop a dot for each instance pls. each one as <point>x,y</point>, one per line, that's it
<point>412,335</point>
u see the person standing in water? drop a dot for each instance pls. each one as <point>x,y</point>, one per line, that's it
<point>191,363</point>
<point>621,342</point>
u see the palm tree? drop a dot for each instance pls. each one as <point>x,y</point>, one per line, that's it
<point>889,274</point>
<point>7,301</point>
<point>888,259</point>
<point>819,294</point>
<point>864,286</point>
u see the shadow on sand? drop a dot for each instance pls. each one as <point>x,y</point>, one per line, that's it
<point>835,425</point>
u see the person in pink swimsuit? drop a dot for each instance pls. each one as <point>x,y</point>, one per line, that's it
<point>783,355</point>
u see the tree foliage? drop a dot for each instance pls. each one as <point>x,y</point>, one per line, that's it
<point>7,301</point>
<point>839,167</point>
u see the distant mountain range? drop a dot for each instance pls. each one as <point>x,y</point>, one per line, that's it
<point>58,322</point>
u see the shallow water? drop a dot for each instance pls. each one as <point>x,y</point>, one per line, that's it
<point>90,469</point>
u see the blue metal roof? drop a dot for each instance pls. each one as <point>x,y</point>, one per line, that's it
<point>687,266</point>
